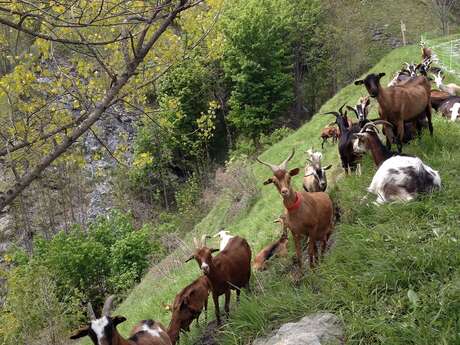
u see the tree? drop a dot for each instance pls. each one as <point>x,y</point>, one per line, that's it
<point>442,9</point>
<point>100,73</point>
<point>258,62</point>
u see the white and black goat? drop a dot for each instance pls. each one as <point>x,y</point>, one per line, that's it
<point>398,177</point>
<point>314,179</point>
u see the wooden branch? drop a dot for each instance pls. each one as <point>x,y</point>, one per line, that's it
<point>11,194</point>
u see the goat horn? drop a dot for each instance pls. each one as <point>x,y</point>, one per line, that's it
<point>196,243</point>
<point>332,113</point>
<point>203,240</point>
<point>274,167</point>
<point>91,314</point>
<point>283,165</point>
<point>341,108</point>
<point>108,305</point>
<point>369,124</point>
<point>331,124</point>
<point>379,122</point>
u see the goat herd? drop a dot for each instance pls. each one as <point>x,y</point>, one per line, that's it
<point>404,107</point>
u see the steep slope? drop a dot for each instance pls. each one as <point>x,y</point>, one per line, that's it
<point>392,274</point>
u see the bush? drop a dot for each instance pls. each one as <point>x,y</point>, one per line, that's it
<point>109,257</point>
<point>33,312</point>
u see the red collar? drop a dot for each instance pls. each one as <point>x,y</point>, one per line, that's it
<point>297,202</point>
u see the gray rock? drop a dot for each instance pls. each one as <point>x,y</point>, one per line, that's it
<point>315,329</point>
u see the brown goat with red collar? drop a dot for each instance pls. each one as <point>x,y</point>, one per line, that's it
<point>278,247</point>
<point>228,270</point>
<point>398,104</point>
<point>307,214</point>
<point>187,306</point>
<point>104,330</point>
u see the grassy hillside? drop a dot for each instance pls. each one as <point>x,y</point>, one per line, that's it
<point>392,275</point>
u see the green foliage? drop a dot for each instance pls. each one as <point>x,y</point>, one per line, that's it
<point>33,313</point>
<point>258,61</point>
<point>110,256</point>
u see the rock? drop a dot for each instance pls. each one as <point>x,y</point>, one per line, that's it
<point>315,329</point>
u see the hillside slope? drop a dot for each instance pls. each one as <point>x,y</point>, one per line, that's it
<point>392,274</point>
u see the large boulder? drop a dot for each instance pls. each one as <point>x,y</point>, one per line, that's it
<point>315,329</point>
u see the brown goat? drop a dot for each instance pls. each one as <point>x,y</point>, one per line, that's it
<point>278,247</point>
<point>228,270</point>
<point>330,131</point>
<point>307,214</point>
<point>398,104</point>
<point>187,306</point>
<point>103,330</point>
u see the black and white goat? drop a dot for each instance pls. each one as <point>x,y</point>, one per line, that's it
<point>314,179</point>
<point>361,110</point>
<point>399,177</point>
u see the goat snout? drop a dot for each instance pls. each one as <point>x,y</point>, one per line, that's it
<point>284,191</point>
<point>205,268</point>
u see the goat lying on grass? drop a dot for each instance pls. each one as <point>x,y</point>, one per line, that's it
<point>399,177</point>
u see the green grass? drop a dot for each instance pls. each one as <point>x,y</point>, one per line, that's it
<point>381,256</point>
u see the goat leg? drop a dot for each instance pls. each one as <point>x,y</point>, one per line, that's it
<point>227,302</point>
<point>428,116</point>
<point>298,250</point>
<point>215,298</point>
<point>312,253</point>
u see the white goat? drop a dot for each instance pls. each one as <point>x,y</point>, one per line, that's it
<point>224,238</point>
<point>401,178</point>
<point>451,89</point>
<point>315,176</point>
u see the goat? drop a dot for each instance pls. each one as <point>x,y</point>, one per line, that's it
<point>446,104</point>
<point>187,306</point>
<point>228,270</point>
<point>278,247</point>
<point>330,131</point>
<point>350,160</point>
<point>401,178</point>
<point>314,179</point>
<point>452,89</point>
<point>368,140</point>
<point>224,238</point>
<point>306,214</point>
<point>361,110</point>
<point>104,330</point>
<point>398,104</point>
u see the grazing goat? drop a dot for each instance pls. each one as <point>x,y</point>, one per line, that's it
<point>314,179</point>
<point>228,270</point>
<point>224,238</point>
<point>187,307</point>
<point>452,89</point>
<point>361,110</point>
<point>398,104</point>
<point>350,160</point>
<point>104,330</point>
<point>278,247</point>
<point>307,214</point>
<point>330,131</point>
<point>401,178</point>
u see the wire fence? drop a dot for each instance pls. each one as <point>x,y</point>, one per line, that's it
<point>448,54</point>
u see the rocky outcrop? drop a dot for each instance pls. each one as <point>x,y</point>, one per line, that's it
<point>315,329</point>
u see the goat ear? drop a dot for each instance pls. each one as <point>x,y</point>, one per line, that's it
<point>328,167</point>
<point>82,332</point>
<point>359,82</point>
<point>294,172</point>
<point>213,250</point>
<point>368,102</point>
<point>381,75</point>
<point>270,180</point>
<point>118,319</point>
<point>184,303</point>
